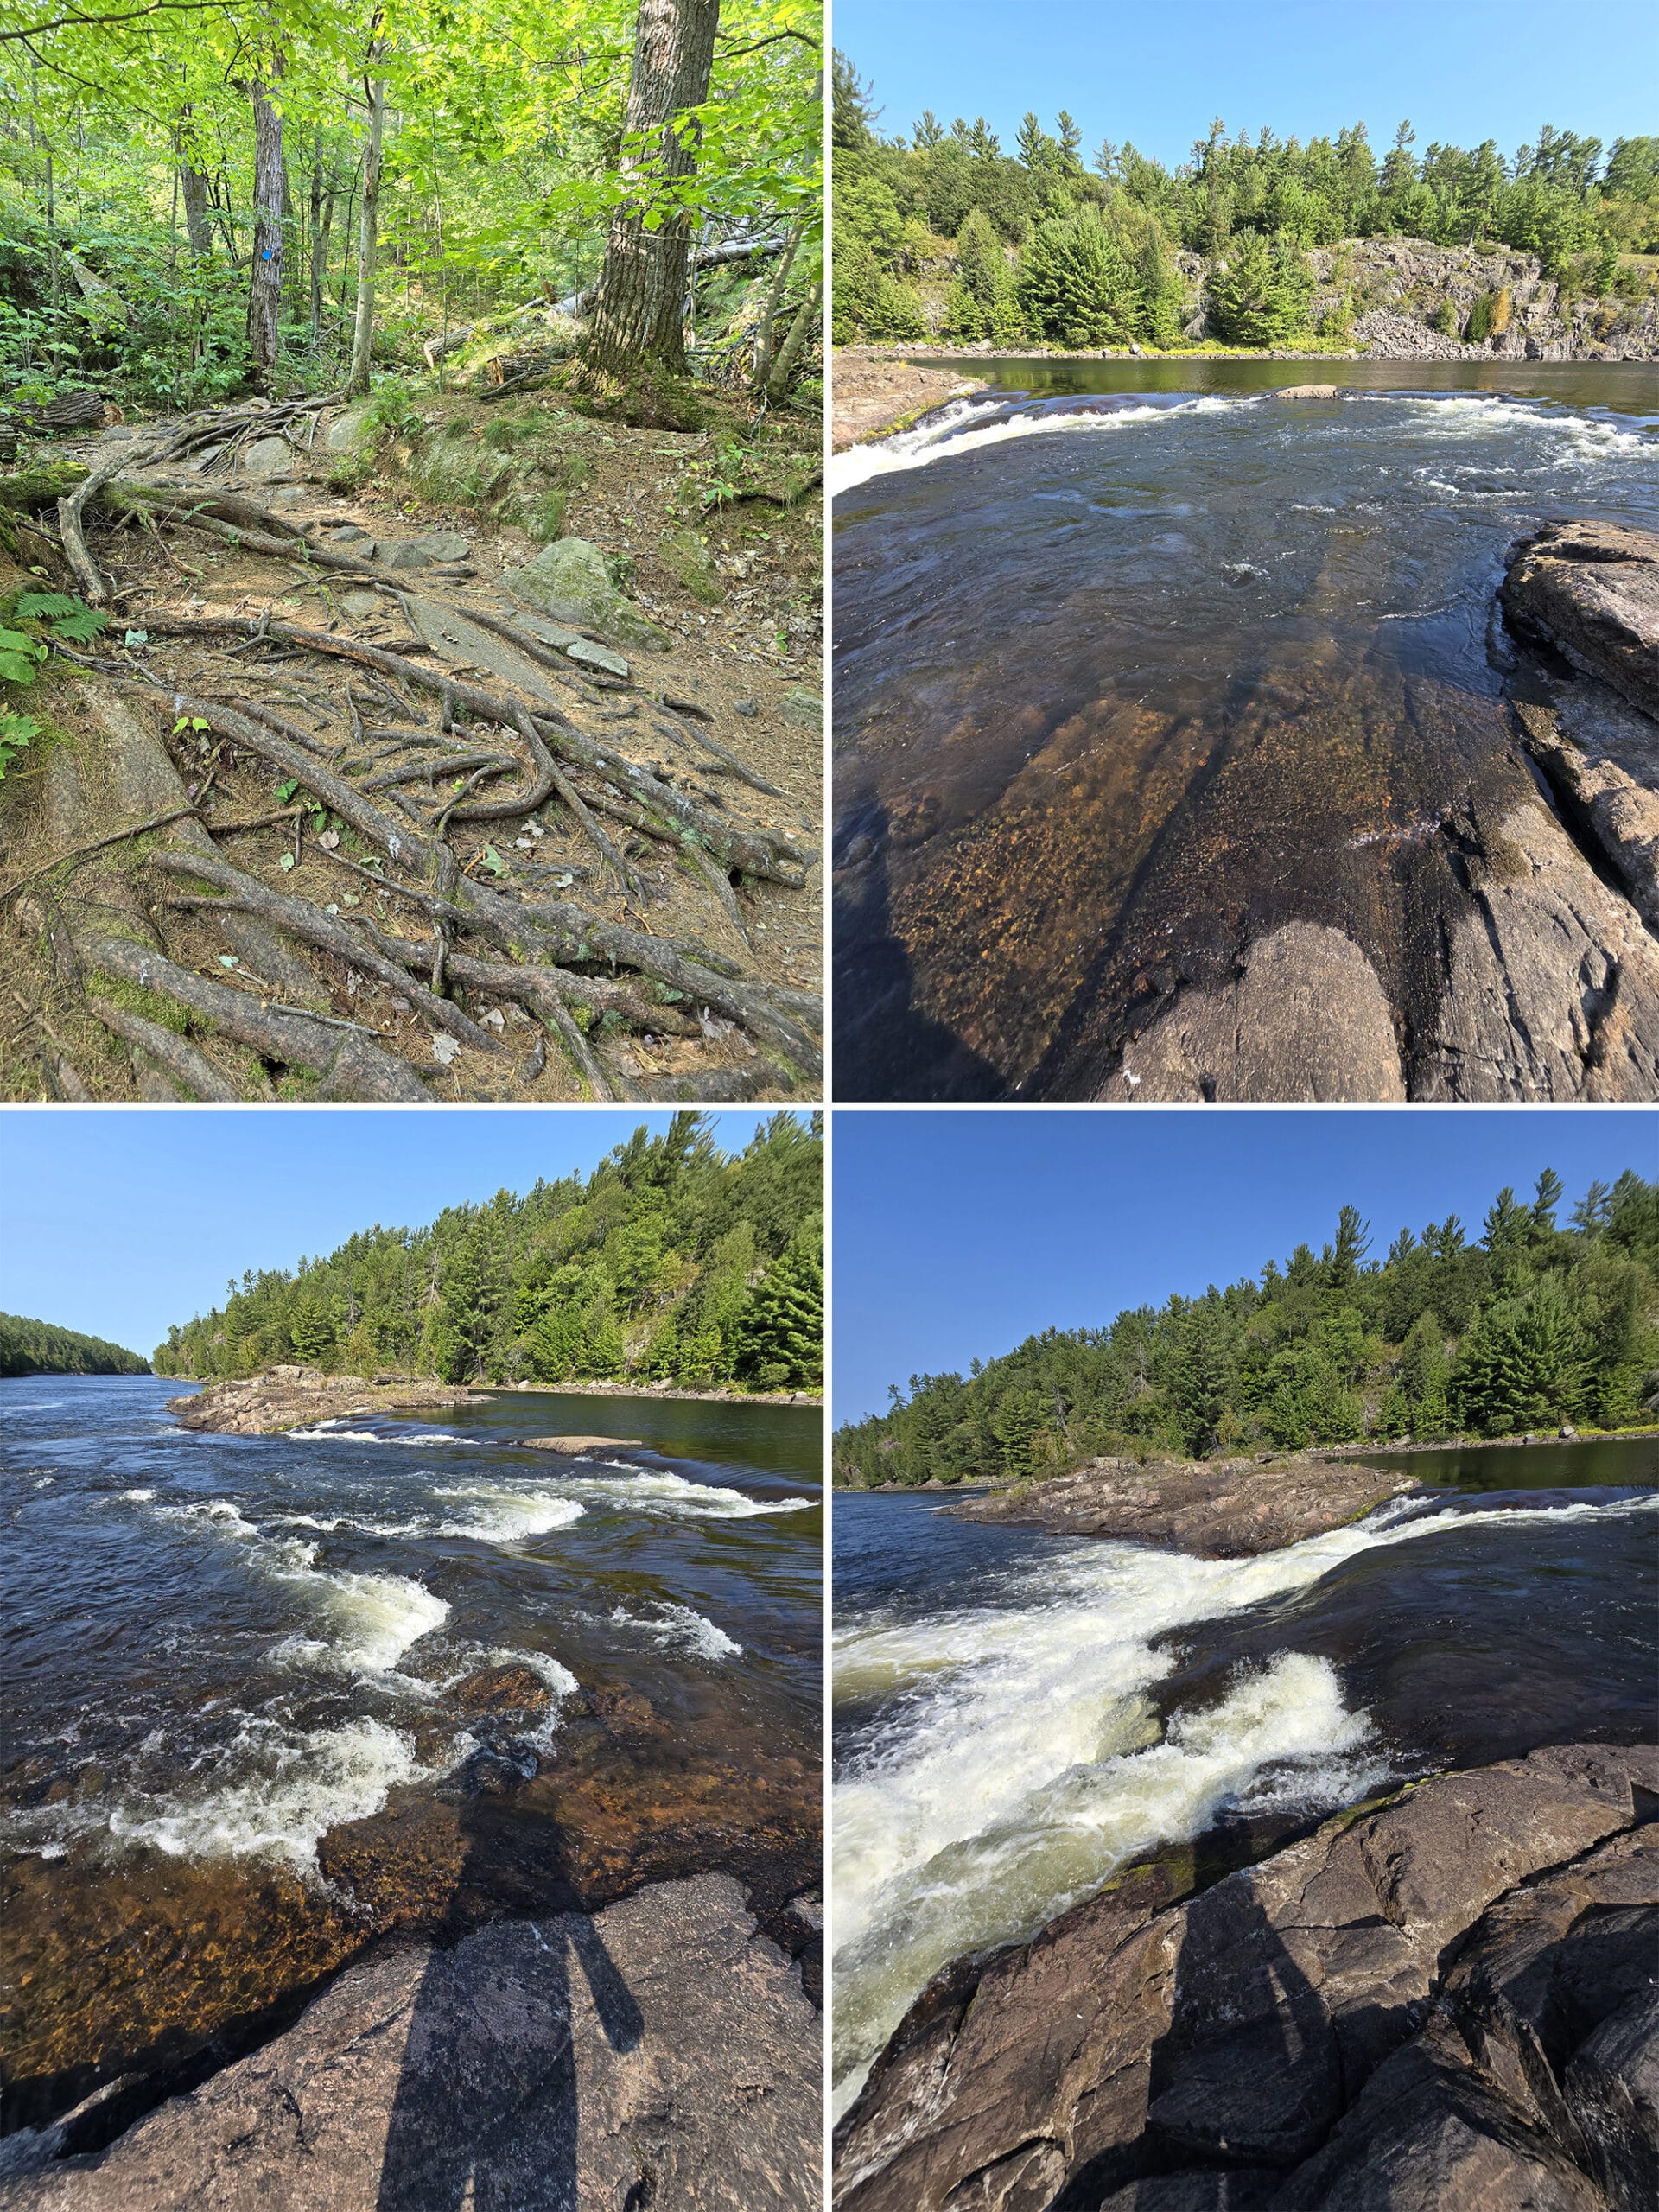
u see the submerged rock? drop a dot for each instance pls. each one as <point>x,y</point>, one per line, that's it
<point>568,580</point>
<point>661,2053</point>
<point>1437,2005</point>
<point>583,1443</point>
<point>1215,1509</point>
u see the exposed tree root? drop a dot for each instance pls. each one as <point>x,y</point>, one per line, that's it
<point>191,1070</point>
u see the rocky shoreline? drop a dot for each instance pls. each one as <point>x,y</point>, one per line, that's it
<point>294,1397</point>
<point>661,2052</point>
<point>1438,2002</point>
<point>1219,1509</point>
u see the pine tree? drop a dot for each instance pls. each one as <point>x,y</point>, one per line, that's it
<point>1076,286</point>
<point>780,1339</point>
<point>1524,1364</point>
<point>1260,296</point>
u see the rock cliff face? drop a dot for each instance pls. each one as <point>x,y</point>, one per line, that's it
<point>1396,285</point>
<point>1442,2004</point>
<point>661,2053</point>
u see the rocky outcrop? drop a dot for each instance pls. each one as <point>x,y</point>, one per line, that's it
<point>570,581</point>
<point>660,2054</point>
<point>1591,589</point>
<point>1219,1509</point>
<point>1547,984</point>
<point>1393,287</point>
<point>1438,2003</point>
<point>573,1444</point>
<point>295,1397</point>
<point>1307,1017</point>
<point>873,397</point>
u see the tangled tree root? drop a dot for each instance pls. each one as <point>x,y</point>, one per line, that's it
<point>370,765</point>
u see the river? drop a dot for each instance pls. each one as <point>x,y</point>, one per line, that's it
<point>1018,1715</point>
<point>267,1696</point>
<point>1135,662</point>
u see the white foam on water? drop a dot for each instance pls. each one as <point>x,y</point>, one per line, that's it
<point>674,1495</point>
<point>138,1497</point>
<point>1020,1761</point>
<point>325,1433</point>
<point>939,440</point>
<point>679,1628</point>
<point>311,1783</point>
<point>496,1515</point>
<point>370,1619</point>
<point>339,1521</point>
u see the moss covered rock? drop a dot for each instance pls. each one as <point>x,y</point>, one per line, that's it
<point>568,580</point>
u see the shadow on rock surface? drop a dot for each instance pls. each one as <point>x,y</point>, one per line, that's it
<point>486,2101</point>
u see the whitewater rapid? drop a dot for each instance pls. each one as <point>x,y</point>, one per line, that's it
<point>1018,1759</point>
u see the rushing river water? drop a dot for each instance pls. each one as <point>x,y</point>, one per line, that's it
<point>225,1651</point>
<point>1018,1715</point>
<point>1135,662</point>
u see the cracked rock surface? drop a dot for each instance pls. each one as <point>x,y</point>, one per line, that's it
<point>660,2054</point>
<point>1445,2002</point>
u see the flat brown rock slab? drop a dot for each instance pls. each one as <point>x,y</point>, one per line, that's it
<point>1224,1509</point>
<point>295,1397</point>
<point>1439,2002</point>
<point>872,398</point>
<point>661,2053</point>
<point>1592,590</point>
<point>583,1443</point>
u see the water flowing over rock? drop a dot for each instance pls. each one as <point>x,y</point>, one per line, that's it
<point>1442,2001</point>
<point>661,2053</point>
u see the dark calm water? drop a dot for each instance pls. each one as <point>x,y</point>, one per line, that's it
<point>1135,662</point>
<point>1017,1714</point>
<point>219,1648</point>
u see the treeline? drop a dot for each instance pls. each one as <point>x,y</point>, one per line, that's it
<point>1048,246</point>
<point>40,1348</point>
<point>671,1262</point>
<point>201,195</point>
<point>1529,1326</point>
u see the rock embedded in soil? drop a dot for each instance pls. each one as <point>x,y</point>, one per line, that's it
<point>265,458</point>
<point>661,2052</point>
<point>1215,1509</point>
<point>437,545</point>
<point>1440,2005</point>
<point>345,430</point>
<point>568,580</point>
<point>803,708</point>
<point>296,1397</point>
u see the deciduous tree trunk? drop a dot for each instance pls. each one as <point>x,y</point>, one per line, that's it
<point>265,280</point>
<point>639,310</point>
<point>193,188</point>
<point>368,244</point>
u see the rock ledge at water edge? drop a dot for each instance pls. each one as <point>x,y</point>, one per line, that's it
<point>1217,1509</point>
<point>295,1397</point>
<point>661,2053</point>
<point>1443,2003</point>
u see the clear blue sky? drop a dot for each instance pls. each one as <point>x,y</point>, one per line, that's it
<point>958,1235</point>
<point>1462,70</point>
<point>120,1223</point>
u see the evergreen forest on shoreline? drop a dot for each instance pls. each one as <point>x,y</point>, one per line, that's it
<point>1049,244</point>
<point>672,1261</point>
<point>1528,1327</point>
<point>42,1348</point>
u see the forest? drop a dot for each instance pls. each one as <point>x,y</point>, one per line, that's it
<point>41,1347</point>
<point>1049,242</point>
<point>203,197</point>
<point>1530,1325</point>
<point>672,1261</point>
<point>416,413</point>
